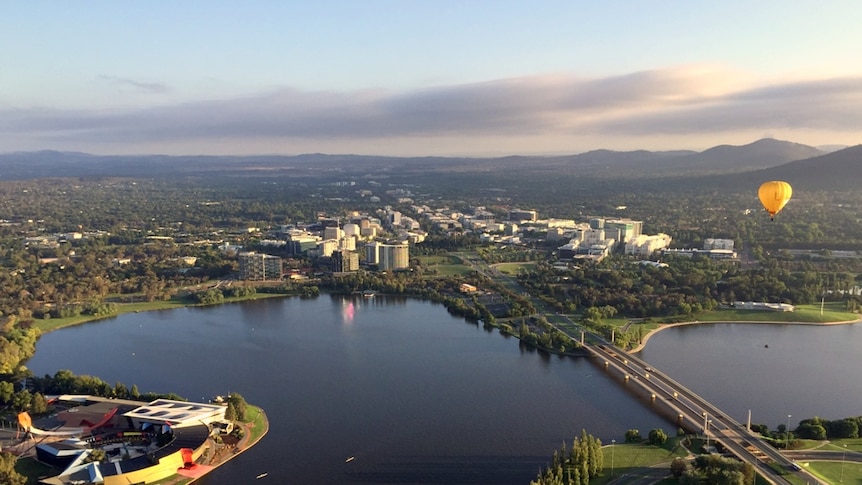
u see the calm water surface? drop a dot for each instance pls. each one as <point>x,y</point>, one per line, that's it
<point>417,396</point>
<point>771,369</point>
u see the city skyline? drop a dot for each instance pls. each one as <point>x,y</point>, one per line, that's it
<point>422,78</point>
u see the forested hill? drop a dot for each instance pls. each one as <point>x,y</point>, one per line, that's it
<point>594,164</point>
<point>841,170</point>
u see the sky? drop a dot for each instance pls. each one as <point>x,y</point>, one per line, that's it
<point>437,77</point>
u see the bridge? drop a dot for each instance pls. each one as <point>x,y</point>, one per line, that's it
<point>695,413</point>
<point>690,411</point>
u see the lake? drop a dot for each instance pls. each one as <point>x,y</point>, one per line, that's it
<point>413,393</point>
<point>771,369</point>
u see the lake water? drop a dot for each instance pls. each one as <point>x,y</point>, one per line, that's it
<point>414,394</point>
<point>773,370</point>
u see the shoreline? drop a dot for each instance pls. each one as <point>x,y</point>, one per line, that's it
<point>698,322</point>
<point>226,455</point>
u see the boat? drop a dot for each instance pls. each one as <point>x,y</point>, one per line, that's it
<point>368,294</point>
<point>348,460</point>
<point>262,475</point>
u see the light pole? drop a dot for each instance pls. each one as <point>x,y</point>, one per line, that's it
<point>843,455</point>
<point>613,442</point>
<point>707,434</point>
<point>787,434</point>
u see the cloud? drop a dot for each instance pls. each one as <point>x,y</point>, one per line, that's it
<point>680,101</point>
<point>126,84</point>
<point>831,105</point>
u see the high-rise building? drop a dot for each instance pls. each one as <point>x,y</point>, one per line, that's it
<point>628,228</point>
<point>372,253</point>
<point>343,261</point>
<point>394,218</point>
<point>332,233</point>
<point>351,229</point>
<point>394,256</point>
<point>326,247</point>
<point>259,267</point>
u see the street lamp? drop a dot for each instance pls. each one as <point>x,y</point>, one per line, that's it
<point>843,455</point>
<point>706,432</point>
<point>787,434</point>
<point>613,442</point>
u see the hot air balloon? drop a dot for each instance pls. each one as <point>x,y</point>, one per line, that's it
<point>774,195</point>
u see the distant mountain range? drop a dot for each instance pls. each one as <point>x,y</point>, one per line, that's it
<point>801,165</point>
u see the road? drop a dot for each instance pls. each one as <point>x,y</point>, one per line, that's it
<point>693,412</point>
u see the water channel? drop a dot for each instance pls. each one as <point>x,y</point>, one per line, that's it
<point>419,396</point>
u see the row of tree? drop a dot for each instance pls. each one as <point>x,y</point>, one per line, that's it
<point>817,428</point>
<point>577,466</point>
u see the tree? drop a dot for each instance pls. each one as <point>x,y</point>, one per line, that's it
<point>230,412</point>
<point>8,475</point>
<point>678,466</point>
<point>7,389</point>
<point>38,405</point>
<point>239,404</point>
<point>21,400</point>
<point>577,466</point>
<point>811,431</point>
<point>657,436</point>
<point>633,436</point>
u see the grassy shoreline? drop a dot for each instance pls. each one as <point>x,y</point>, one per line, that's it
<point>804,315</point>
<point>51,324</point>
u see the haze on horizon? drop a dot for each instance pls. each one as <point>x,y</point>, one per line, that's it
<point>388,77</point>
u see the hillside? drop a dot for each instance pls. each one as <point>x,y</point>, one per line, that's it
<point>761,154</point>
<point>841,170</point>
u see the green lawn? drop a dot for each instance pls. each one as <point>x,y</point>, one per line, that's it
<point>254,414</point>
<point>832,312</point>
<point>835,471</point>
<point>452,269</point>
<point>432,260</point>
<point>628,457</point>
<point>448,265</point>
<point>852,444</point>
<point>512,269</point>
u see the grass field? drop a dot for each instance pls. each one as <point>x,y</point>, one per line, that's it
<point>254,414</point>
<point>432,260</point>
<point>448,265</point>
<point>512,269</point>
<point>628,457</point>
<point>836,471</point>
<point>832,312</point>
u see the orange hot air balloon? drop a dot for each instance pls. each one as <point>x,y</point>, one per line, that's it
<point>774,195</point>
